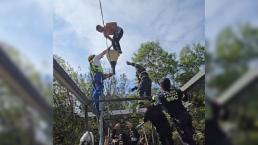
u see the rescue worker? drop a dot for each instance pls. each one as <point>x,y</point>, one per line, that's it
<point>98,76</point>
<point>144,81</point>
<point>156,116</point>
<point>171,100</point>
<point>112,28</point>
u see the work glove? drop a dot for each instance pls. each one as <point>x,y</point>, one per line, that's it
<point>128,63</point>
<point>134,88</point>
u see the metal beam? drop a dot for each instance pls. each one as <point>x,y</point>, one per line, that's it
<point>188,85</point>
<point>125,99</point>
<point>117,112</point>
<point>17,81</point>
<point>63,78</point>
<point>238,86</point>
<point>196,78</point>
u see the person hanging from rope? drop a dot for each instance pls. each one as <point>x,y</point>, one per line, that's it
<point>156,116</point>
<point>98,75</point>
<point>144,81</point>
<point>112,28</point>
<point>171,100</point>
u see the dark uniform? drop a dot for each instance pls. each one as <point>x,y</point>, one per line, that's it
<point>155,115</point>
<point>144,81</point>
<point>118,34</point>
<point>172,102</point>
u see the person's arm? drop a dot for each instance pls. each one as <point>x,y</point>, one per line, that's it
<point>105,51</point>
<point>96,59</point>
<point>134,88</point>
<point>108,37</point>
<point>137,66</point>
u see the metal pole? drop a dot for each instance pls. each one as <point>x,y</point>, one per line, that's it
<point>86,117</point>
<point>101,130</point>
<point>152,135</point>
<point>145,136</point>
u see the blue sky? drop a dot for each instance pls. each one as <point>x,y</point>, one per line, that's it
<point>222,13</point>
<point>34,27</point>
<point>27,26</point>
<point>175,23</point>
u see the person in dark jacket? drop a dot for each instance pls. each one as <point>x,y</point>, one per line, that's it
<point>156,116</point>
<point>171,100</point>
<point>144,81</point>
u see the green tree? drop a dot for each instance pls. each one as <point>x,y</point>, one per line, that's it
<point>190,61</point>
<point>154,58</point>
<point>234,50</point>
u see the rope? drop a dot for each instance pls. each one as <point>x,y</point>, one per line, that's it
<point>102,17</point>
<point>101,117</point>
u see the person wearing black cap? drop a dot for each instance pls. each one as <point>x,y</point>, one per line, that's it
<point>171,100</point>
<point>97,75</point>
<point>144,81</point>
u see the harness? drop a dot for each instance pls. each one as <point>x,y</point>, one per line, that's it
<point>95,69</point>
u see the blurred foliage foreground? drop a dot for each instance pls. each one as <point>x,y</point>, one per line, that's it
<point>19,123</point>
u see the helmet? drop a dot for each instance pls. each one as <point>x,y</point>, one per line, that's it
<point>90,58</point>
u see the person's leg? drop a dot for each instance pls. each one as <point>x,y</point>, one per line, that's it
<point>148,87</point>
<point>116,43</point>
<point>97,90</point>
<point>113,66</point>
<point>169,138</point>
<point>141,89</point>
<point>166,139</point>
<point>185,126</point>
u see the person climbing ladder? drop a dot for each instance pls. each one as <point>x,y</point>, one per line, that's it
<point>98,76</point>
<point>112,28</point>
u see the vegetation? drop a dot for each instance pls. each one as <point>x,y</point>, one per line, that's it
<point>235,52</point>
<point>18,125</point>
<point>68,126</point>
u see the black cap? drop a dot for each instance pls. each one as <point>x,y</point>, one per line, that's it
<point>165,83</point>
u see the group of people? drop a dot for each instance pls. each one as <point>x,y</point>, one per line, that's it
<point>168,100</point>
<point>123,135</point>
<point>96,70</point>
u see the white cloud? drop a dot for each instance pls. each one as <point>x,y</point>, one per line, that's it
<point>27,25</point>
<point>222,13</point>
<point>173,23</point>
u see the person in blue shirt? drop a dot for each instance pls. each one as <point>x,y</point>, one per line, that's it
<point>98,75</point>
